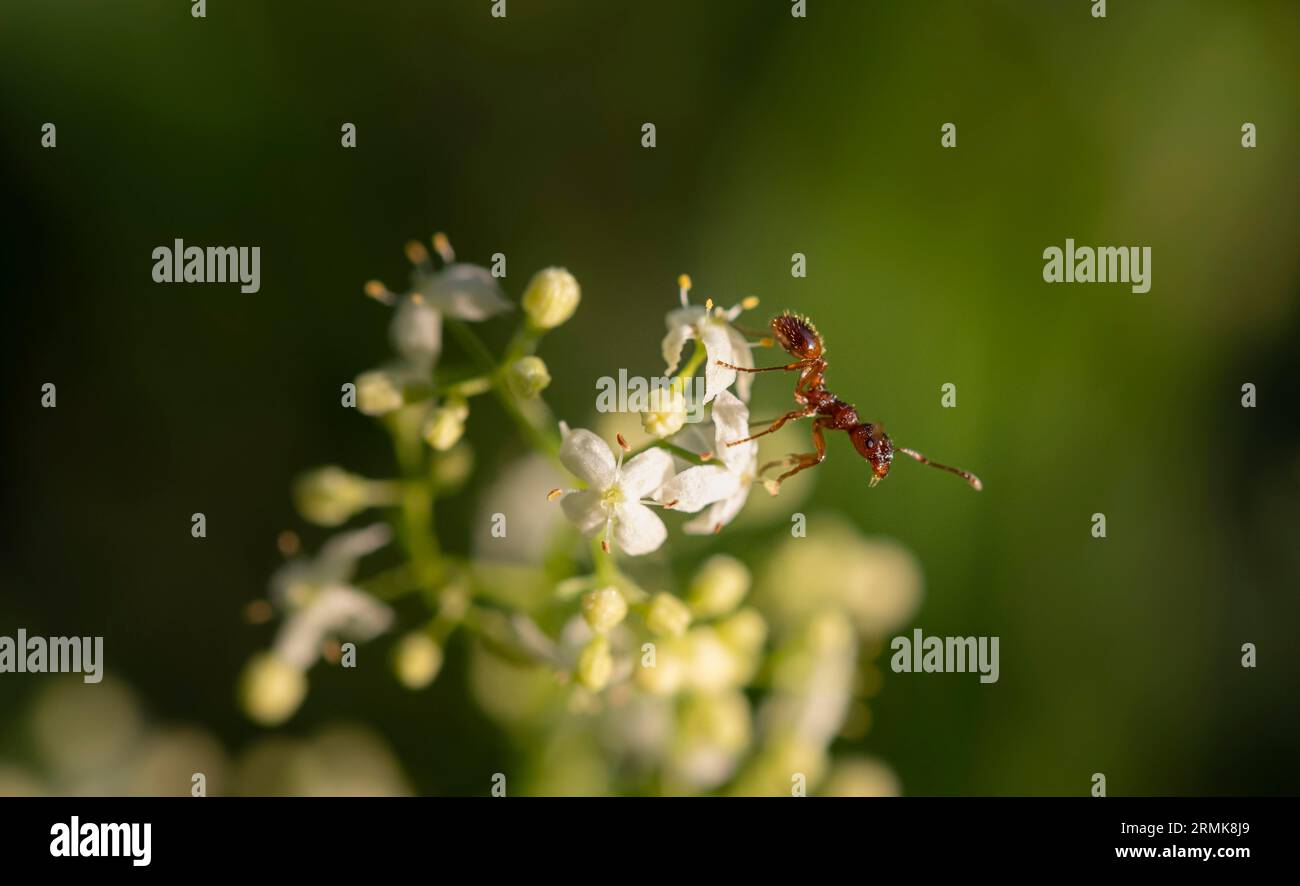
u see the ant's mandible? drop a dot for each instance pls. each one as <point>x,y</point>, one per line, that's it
<point>798,336</point>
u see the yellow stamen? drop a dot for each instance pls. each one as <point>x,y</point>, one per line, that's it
<point>442,246</point>
<point>749,302</point>
<point>554,494</point>
<point>288,542</point>
<point>375,289</point>
<point>416,254</point>
<point>684,282</point>
<point>257,612</point>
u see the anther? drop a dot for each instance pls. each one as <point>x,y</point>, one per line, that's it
<point>623,443</point>
<point>288,542</point>
<point>416,254</point>
<point>442,246</point>
<point>554,494</point>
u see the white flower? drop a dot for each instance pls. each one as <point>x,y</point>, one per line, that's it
<point>722,486</point>
<point>612,501</point>
<point>711,327</point>
<point>322,603</point>
<point>460,291</point>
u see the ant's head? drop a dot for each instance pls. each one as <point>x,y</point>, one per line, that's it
<point>797,336</point>
<point>873,444</point>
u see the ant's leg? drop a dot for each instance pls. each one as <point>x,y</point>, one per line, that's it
<point>800,462</point>
<point>776,425</point>
<point>789,367</point>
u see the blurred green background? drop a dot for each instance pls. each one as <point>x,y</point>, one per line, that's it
<point>775,135</point>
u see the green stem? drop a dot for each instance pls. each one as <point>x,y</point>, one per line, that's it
<point>416,500</point>
<point>532,418</point>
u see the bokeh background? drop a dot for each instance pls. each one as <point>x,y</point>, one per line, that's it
<point>775,135</point>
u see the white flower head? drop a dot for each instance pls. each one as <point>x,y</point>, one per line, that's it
<point>722,486</point>
<point>320,601</point>
<point>613,499</point>
<point>712,327</point>
<point>458,290</point>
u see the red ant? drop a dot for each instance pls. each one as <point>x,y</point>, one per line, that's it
<point>800,339</point>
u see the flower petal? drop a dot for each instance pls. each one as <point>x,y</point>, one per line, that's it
<point>637,529</point>
<point>720,514</point>
<point>741,355</point>
<point>584,511</point>
<point>731,422</point>
<point>416,332</point>
<point>588,458</point>
<point>335,610</point>
<point>696,487</point>
<point>464,291</point>
<point>681,326</point>
<point>644,474</point>
<point>717,344</point>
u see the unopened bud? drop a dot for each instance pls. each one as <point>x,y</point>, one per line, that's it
<point>604,609</point>
<point>271,689</point>
<point>417,660</point>
<point>551,297</point>
<point>719,586</point>
<point>667,615</point>
<point>667,413</point>
<point>446,424</point>
<point>595,664</point>
<point>528,377</point>
<point>330,496</point>
<point>378,393</point>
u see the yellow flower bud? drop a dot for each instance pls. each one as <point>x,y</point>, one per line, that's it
<point>745,631</point>
<point>330,496</point>
<point>595,664</point>
<point>271,689</point>
<point>551,297</point>
<point>446,424</point>
<point>667,615</point>
<point>378,393</point>
<point>714,666</point>
<point>528,377</point>
<point>665,672</point>
<point>667,413</point>
<point>604,609</point>
<point>417,659</point>
<point>719,586</point>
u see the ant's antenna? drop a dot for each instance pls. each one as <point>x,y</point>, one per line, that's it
<point>965,475</point>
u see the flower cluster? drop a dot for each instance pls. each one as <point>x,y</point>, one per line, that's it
<point>593,645</point>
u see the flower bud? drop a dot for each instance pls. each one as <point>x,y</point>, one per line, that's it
<point>378,393</point>
<point>271,689</point>
<point>595,664</point>
<point>445,424</point>
<point>714,666</point>
<point>665,672</point>
<point>667,413</point>
<point>604,609</point>
<point>417,660</point>
<point>330,496</point>
<point>551,297</point>
<point>453,467</point>
<point>718,587</point>
<point>528,377</point>
<point>667,615</point>
<point>744,631</point>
